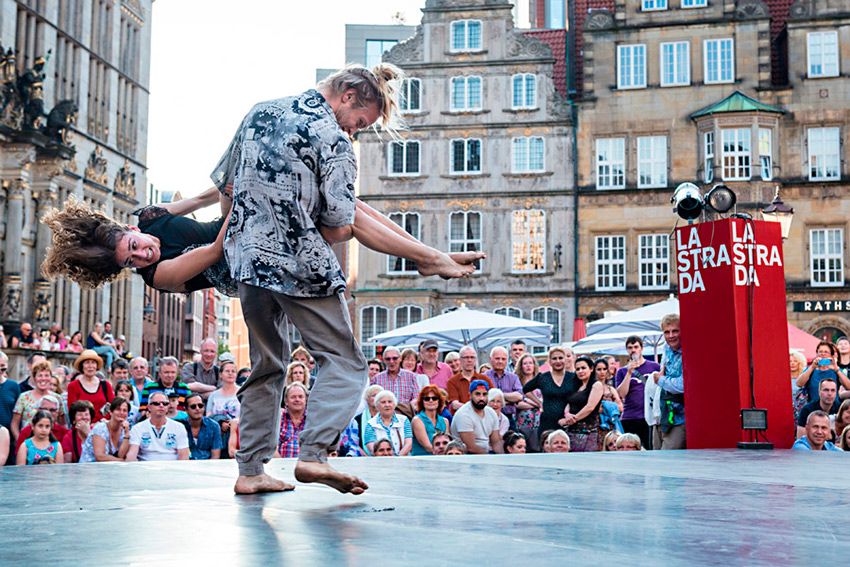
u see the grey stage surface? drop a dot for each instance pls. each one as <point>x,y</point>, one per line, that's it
<point>670,508</point>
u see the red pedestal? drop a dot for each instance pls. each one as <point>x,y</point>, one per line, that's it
<point>731,280</point>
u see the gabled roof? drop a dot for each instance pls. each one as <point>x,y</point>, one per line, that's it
<point>557,40</point>
<point>736,102</point>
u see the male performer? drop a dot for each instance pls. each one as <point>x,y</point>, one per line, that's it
<point>292,166</point>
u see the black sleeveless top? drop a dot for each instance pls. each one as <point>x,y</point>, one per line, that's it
<point>577,402</point>
<point>177,235</point>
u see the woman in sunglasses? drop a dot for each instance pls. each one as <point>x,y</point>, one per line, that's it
<point>428,422</point>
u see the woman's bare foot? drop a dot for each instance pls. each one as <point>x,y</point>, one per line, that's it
<point>309,471</point>
<point>445,266</point>
<point>260,483</point>
<point>467,258</point>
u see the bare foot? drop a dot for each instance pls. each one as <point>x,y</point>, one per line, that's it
<point>260,483</point>
<point>446,267</point>
<point>309,471</point>
<point>466,258</point>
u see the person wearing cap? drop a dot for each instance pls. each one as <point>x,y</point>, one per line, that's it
<point>476,423</point>
<point>438,373</point>
<point>458,385</point>
<point>88,386</point>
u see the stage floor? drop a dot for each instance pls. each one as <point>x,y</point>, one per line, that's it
<point>654,508</point>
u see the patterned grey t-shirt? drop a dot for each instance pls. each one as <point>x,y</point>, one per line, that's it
<point>292,169</point>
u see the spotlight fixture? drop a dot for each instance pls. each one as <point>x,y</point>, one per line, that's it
<point>720,199</point>
<point>687,201</point>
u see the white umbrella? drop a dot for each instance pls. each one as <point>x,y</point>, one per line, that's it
<point>615,343</point>
<point>464,326</point>
<point>642,319</point>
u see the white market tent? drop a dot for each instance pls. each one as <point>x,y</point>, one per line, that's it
<point>464,326</point>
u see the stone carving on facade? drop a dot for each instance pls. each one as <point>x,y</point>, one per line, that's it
<point>407,51</point>
<point>466,204</point>
<point>59,121</point>
<point>404,206</point>
<point>134,7</point>
<point>522,45</point>
<point>751,9</point>
<point>96,167</point>
<point>12,112</point>
<point>11,308</point>
<point>801,9</point>
<point>599,20</point>
<point>42,300</point>
<point>125,181</point>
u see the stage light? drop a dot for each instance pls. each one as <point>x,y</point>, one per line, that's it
<point>687,201</point>
<point>720,199</point>
<point>754,419</point>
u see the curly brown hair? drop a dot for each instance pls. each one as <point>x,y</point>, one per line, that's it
<point>83,245</point>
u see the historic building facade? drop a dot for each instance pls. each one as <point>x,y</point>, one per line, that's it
<point>485,165</point>
<point>74,123</point>
<point>752,94</point>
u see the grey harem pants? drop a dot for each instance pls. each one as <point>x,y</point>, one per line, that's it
<point>325,328</point>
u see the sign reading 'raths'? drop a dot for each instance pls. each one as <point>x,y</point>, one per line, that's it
<point>743,254</point>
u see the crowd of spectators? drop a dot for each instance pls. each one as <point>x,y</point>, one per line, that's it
<point>108,408</point>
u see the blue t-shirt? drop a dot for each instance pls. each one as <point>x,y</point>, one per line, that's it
<point>802,444</point>
<point>9,392</point>
<point>813,385</point>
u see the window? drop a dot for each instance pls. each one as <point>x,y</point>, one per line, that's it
<point>631,66</point>
<point>527,154</point>
<point>373,321</point>
<point>736,153</point>
<point>610,163</point>
<point>466,93</point>
<point>556,14</point>
<point>694,3</point>
<point>654,265</point>
<point>465,233</point>
<point>528,241</point>
<point>719,61</point>
<point>407,315</point>
<point>410,223</point>
<point>675,64</point>
<point>553,317</point>
<point>824,161</point>
<point>827,256</point>
<point>509,312</point>
<point>524,89</point>
<point>708,163</point>
<point>766,153</point>
<point>610,263</point>
<point>404,158</point>
<point>375,49</point>
<point>648,5</point>
<point>465,156</point>
<point>823,54</point>
<point>411,95</point>
<point>466,35</point>
<point>652,161</point>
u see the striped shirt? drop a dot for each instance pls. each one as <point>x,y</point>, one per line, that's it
<point>405,386</point>
<point>180,388</point>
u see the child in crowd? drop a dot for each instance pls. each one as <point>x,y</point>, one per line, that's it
<point>42,448</point>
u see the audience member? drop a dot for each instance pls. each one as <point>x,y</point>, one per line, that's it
<point>671,384</point>
<point>440,442</point>
<point>96,342</point>
<point>9,392</point>
<point>82,416</point>
<point>51,404</point>
<point>458,388</point>
<point>75,343</point>
<point>817,434</point>
<point>24,337</point>
<point>382,448</point>
<point>109,439</point>
<point>456,447</point>
<point>629,442</point>
<point>375,366</point>
<point>297,372</point>
<point>438,373</point>
<point>223,405</point>
<point>42,448</point>
<point>428,422</point>
<point>496,400</point>
<point>797,364</point>
<point>569,360</point>
<point>528,410</point>
<point>3,344</point>
<point>827,402</point>
<point>120,371</point>
<point>631,382</point>
<point>506,381</point>
<point>609,442</point>
<point>559,441</point>
<point>204,434</point>
<point>174,412</point>
<point>612,406</point>
<point>825,365</point>
<point>292,419</point>
<point>581,416</point>
<point>387,424</point>
<point>400,382</point>
<point>88,386</point>
<point>842,418</point>
<point>167,384</point>
<point>514,442</point>
<point>843,439</point>
<point>556,386</point>
<point>125,389</point>
<point>242,376</point>
<point>32,359</point>
<point>409,362</point>
<point>475,423</point>
<point>842,346</point>
<point>158,438</point>
<point>140,378</point>
<point>27,405</point>
<point>5,442</point>
<point>352,443</point>
<point>202,377</point>
<point>453,360</point>
<point>517,350</point>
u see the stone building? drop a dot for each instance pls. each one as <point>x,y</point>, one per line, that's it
<point>486,165</point>
<point>748,93</point>
<point>87,59</point>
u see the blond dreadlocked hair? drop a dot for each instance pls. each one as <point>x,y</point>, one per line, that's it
<point>379,86</point>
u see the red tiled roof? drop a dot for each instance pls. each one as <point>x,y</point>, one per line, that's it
<point>557,40</point>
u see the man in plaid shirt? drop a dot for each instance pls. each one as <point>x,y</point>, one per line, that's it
<point>400,382</point>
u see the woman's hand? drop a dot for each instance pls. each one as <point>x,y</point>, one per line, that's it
<point>83,427</point>
<point>125,425</point>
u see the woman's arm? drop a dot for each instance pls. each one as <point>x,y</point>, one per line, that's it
<point>617,398</point>
<point>406,448</point>
<point>100,454</point>
<point>803,379</point>
<point>5,444</point>
<point>15,426</point>
<point>592,402</point>
<point>98,339</point>
<point>191,204</point>
<point>21,457</point>
<point>420,434</point>
<point>172,275</point>
<point>60,458</point>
